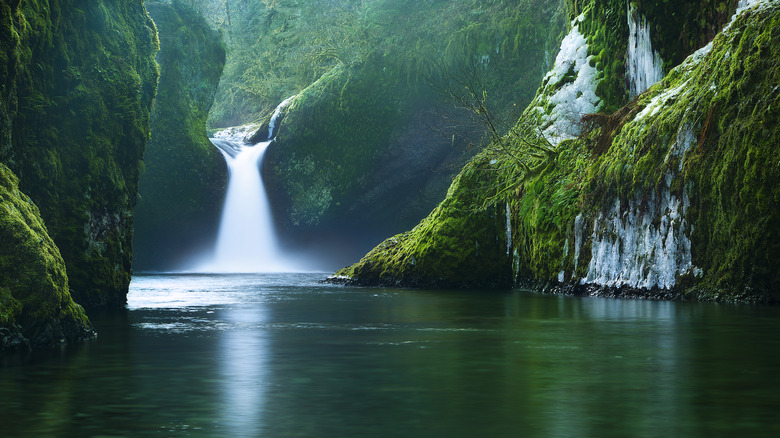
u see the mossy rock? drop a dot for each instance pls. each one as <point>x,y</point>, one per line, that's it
<point>36,308</point>
<point>461,244</point>
<point>708,133</point>
<point>78,87</point>
<point>704,138</point>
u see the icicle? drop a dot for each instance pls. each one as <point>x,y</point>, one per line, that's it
<point>508,230</point>
<point>645,66</point>
<point>631,248</point>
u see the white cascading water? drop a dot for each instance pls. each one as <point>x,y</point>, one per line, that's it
<point>644,64</point>
<point>246,241</point>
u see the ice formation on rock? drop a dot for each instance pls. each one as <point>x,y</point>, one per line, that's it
<point>562,109</point>
<point>644,66</point>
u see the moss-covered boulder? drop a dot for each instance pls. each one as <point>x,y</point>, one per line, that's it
<point>458,245</point>
<point>371,146</point>
<point>355,159</point>
<point>697,160</point>
<point>36,308</point>
<point>78,82</point>
<point>672,195</point>
<point>184,177</point>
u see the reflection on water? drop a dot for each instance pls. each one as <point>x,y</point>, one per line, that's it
<point>243,366</point>
<point>281,355</point>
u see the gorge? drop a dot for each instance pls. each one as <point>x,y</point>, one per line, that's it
<point>554,218</point>
<point>633,205</point>
<point>637,159</point>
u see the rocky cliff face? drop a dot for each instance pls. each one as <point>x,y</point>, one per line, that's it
<point>80,81</point>
<point>35,304</point>
<point>184,176</point>
<point>671,194</point>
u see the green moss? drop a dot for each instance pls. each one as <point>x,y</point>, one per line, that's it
<point>457,245</point>
<point>707,134</point>
<point>78,96</point>
<point>330,139</point>
<point>35,303</point>
<point>721,110</point>
<point>606,28</point>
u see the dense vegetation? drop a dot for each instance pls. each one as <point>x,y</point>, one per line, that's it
<point>673,194</point>
<point>280,47</point>
<point>373,138</point>
<point>371,146</point>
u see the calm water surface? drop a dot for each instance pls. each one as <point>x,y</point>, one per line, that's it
<point>283,356</point>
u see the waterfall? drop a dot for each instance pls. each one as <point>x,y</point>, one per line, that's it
<point>645,66</point>
<point>246,241</point>
<point>272,122</point>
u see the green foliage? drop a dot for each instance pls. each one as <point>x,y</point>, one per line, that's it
<point>377,98</point>
<point>278,49</point>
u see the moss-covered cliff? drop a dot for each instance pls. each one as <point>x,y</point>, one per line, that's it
<point>36,308</point>
<point>184,175</point>
<point>78,82</point>
<point>79,78</point>
<point>372,145</point>
<point>673,194</point>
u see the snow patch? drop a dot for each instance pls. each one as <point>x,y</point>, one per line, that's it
<point>683,143</point>
<point>570,101</point>
<point>660,100</point>
<point>742,6</point>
